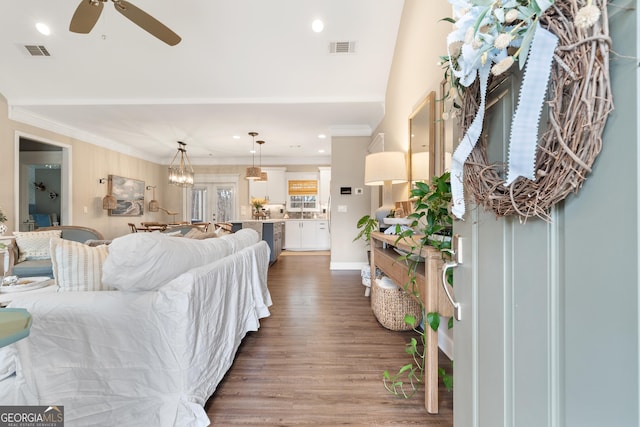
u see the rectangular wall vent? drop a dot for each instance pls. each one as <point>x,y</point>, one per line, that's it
<point>37,50</point>
<point>342,47</point>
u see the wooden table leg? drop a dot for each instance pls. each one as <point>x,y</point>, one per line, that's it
<point>431,352</point>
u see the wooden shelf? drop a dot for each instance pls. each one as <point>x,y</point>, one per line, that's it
<point>429,287</point>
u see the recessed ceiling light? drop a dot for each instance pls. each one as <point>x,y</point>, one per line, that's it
<point>236,136</point>
<point>322,136</point>
<point>252,151</point>
<point>321,151</point>
<point>43,28</point>
<point>317,25</point>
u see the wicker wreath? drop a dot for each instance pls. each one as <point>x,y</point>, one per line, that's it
<point>579,102</point>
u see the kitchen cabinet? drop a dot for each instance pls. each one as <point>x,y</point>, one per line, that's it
<point>307,235</point>
<point>323,237</point>
<point>274,189</point>
<point>272,232</point>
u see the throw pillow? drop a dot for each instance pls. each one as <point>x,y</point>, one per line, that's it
<point>196,233</point>
<point>148,261</point>
<point>192,233</point>
<point>78,267</point>
<point>34,244</point>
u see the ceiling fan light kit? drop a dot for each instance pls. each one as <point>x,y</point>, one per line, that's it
<point>88,12</point>
<point>181,172</point>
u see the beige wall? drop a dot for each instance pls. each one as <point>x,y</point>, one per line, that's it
<point>347,170</point>
<point>6,165</point>
<point>414,73</point>
<point>89,163</point>
<point>414,70</point>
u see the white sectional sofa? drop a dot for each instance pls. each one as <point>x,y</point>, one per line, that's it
<point>151,351</point>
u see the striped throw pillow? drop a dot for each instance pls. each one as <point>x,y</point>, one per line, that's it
<point>78,267</point>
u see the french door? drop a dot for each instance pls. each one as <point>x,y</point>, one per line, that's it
<point>213,201</point>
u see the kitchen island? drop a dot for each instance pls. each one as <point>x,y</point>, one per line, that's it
<point>290,234</point>
<point>271,231</point>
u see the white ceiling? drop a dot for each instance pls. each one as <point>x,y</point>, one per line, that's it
<point>242,65</point>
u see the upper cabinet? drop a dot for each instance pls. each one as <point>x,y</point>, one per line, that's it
<point>274,189</point>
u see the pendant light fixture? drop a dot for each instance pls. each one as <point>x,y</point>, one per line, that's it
<point>263,175</point>
<point>181,172</point>
<point>253,173</point>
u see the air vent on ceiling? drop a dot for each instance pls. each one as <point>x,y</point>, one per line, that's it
<point>37,50</point>
<point>342,47</point>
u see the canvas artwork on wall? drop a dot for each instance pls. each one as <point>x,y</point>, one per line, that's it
<point>129,194</point>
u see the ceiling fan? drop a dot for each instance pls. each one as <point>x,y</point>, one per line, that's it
<point>88,12</point>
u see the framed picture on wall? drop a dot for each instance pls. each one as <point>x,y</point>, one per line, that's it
<point>129,194</point>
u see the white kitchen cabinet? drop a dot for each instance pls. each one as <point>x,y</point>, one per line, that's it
<point>307,235</point>
<point>274,189</point>
<point>323,237</point>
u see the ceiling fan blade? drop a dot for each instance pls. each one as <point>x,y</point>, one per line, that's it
<point>85,16</point>
<point>147,22</point>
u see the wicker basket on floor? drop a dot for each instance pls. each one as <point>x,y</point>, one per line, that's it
<point>391,305</point>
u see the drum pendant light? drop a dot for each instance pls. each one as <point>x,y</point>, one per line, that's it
<point>253,172</point>
<point>263,175</point>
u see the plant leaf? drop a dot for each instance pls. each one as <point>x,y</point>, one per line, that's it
<point>433,319</point>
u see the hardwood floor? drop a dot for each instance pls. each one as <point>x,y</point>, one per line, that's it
<point>318,359</point>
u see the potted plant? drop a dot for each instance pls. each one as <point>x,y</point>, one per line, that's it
<point>366,225</point>
<point>258,205</point>
<point>432,217</point>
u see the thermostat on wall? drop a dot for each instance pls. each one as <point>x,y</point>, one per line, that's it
<point>345,190</point>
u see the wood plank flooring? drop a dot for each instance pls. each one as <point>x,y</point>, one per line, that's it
<point>318,359</point>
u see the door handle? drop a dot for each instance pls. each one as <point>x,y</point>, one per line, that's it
<point>457,311</point>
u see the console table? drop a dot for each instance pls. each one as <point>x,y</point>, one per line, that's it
<point>432,295</point>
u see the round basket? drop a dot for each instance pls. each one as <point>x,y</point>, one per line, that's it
<point>390,306</point>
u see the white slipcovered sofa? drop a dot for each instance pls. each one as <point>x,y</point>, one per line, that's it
<point>152,350</point>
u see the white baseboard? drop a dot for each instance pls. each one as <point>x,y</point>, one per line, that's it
<point>347,265</point>
<point>445,338</point>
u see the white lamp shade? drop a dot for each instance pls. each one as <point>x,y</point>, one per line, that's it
<point>420,167</point>
<point>388,166</point>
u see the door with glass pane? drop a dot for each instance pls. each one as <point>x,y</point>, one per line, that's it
<point>213,202</point>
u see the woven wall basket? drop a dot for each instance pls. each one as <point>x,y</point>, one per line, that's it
<point>391,305</point>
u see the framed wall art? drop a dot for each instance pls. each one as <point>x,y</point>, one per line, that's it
<point>129,194</point>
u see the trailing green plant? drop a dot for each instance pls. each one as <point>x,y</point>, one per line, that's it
<point>367,225</point>
<point>3,217</point>
<point>431,221</point>
<point>431,216</point>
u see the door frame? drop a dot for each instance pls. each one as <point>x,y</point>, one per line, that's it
<point>66,196</point>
